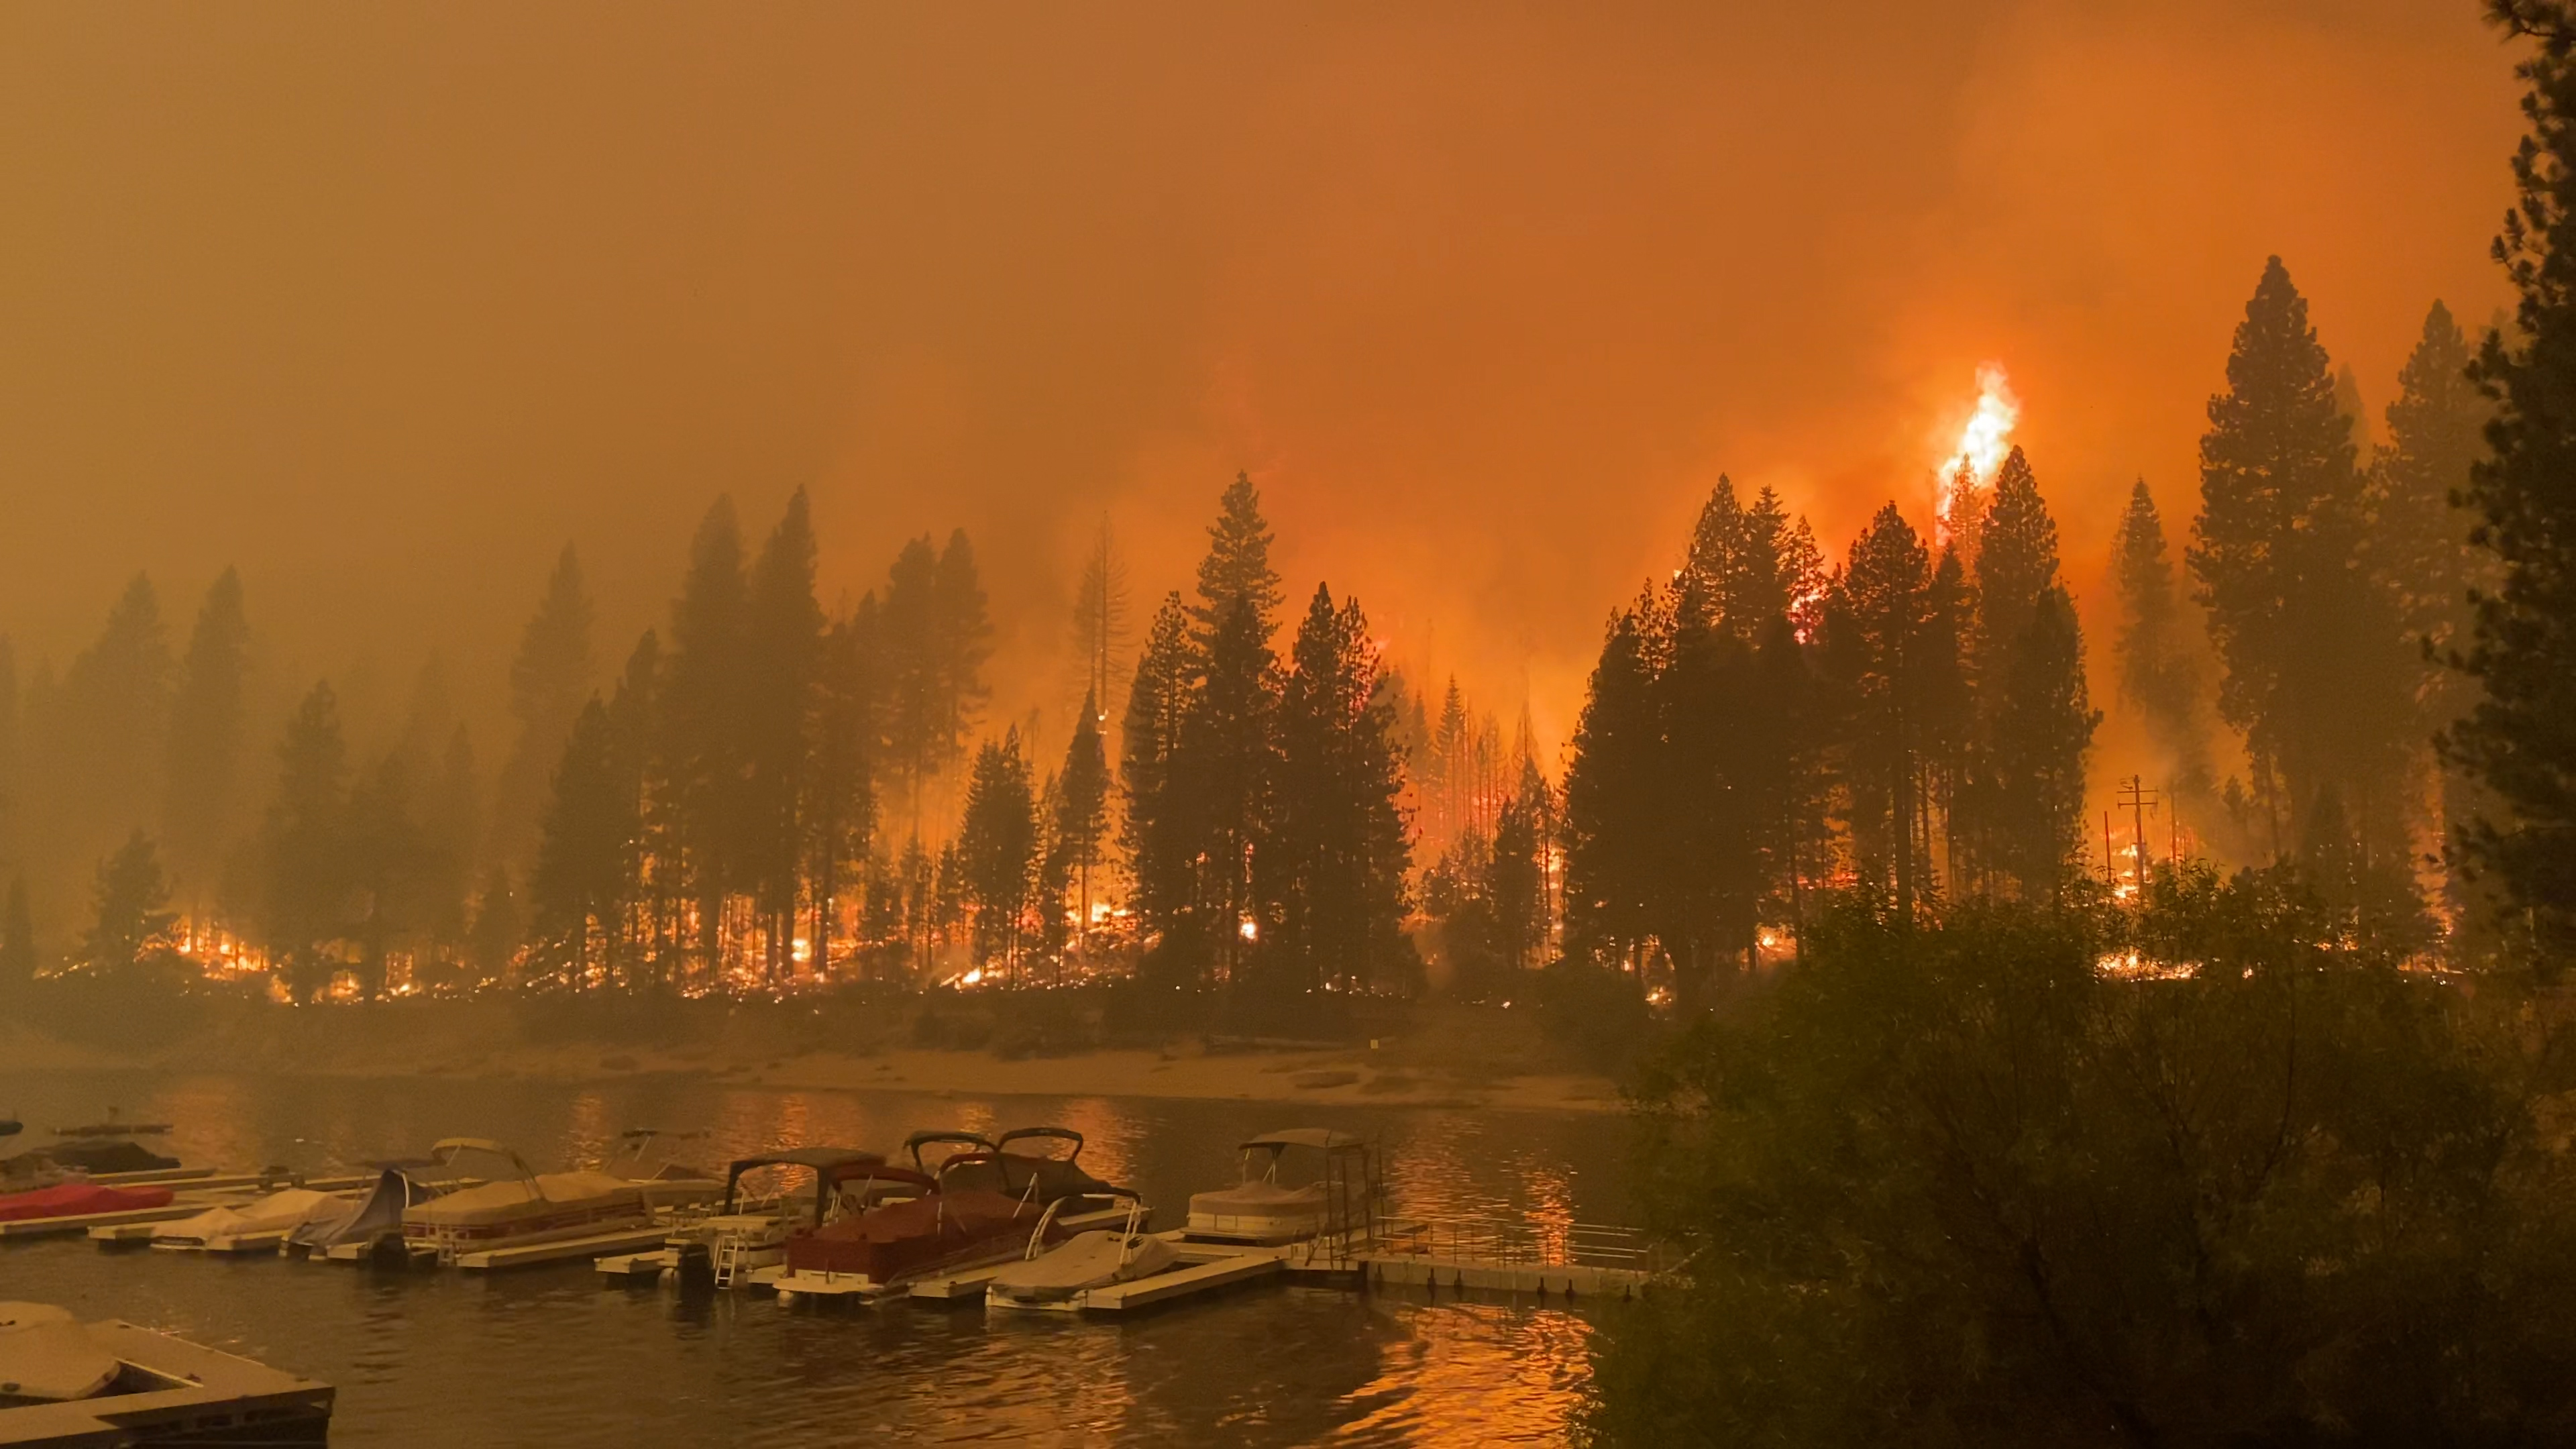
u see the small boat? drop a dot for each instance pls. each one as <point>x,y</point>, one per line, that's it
<point>749,1231</point>
<point>1261,1209</point>
<point>264,1223</point>
<point>1052,1279</point>
<point>517,1205</point>
<point>113,1128</point>
<point>943,1227</point>
<point>46,1356</point>
<point>79,1199</point>
<point>374,1218</point>
<point>10,1126</point>
<point>96,1157</point>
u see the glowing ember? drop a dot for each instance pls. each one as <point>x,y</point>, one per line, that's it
<point>1986,440</point>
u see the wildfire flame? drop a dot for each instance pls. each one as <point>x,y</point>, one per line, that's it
<point>1986,440</point>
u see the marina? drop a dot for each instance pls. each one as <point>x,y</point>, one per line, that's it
<point>1296,1309</point>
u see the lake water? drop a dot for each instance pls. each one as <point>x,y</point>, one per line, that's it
<point>551,1356</point>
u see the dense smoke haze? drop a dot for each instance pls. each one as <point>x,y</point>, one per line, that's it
<point>386,305</point>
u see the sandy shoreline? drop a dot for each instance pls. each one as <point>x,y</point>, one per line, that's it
<point>1397,1073</point>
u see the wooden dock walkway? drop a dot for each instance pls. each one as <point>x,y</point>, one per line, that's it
<point>204,1397</point>
<point>625,1240</point>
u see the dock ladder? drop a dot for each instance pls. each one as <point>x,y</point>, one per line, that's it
<point>727,1258</point>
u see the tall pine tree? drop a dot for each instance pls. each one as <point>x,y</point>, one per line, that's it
<point>201,803</point>
<point>997,848</point>
<point>2315,671</point>
<point>702,706</point>
<point>1082,810</point>
<point>2520,739</point>
<point>2160,668</point>
<point>549,680</point>
<point>782,651</point>
<point>307,872</point>
<point>1158,830</point>
<point>1333,870</point>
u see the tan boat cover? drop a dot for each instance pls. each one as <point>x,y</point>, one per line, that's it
<point>1260,1199</point>
<point>279,1212</point>
<point>45,1355</point>
<point>1093,1259</point>
<point>499,1202</point>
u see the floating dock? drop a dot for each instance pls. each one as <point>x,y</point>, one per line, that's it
<point>83,1222</point>
<point>171,1391</point>
<point>652,1264</point>
<point>590,1245</point>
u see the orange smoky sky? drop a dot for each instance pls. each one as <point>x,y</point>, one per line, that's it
<point>386,303</point>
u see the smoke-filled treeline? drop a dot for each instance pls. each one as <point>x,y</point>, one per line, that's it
<point>2219,1164</point>
<point>764,793</point>
<point>1914,721</point>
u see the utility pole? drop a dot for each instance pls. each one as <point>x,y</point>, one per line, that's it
<point>2110,866</point>
<point>2135,794</point>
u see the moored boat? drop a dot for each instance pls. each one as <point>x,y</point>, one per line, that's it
<point>79,1199</point>
<point>1262,1208</point>
<point>956,1220</point>
<point>374,1218</point>
<point>1053,1279</point>
<point>263,1223</point>
<point>516,1205</point>
<point>750,1228</point>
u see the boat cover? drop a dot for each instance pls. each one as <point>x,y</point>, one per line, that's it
<point>279,1212</point>
<point>378,1214</point>
<point>545,1194</point>
<point>46,1356</point>
<point>1093,1259</point>
<point>116,1155</point>
<point>66,1199</point>
<point>915,1236</point>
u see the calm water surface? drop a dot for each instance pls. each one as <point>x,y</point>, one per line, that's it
<point>550,1355</point>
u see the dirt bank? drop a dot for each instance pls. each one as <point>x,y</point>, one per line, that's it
<point>1429,1056</point>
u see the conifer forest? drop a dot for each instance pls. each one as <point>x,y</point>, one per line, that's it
<point>2061,882</point>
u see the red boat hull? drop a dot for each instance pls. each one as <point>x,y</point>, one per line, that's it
<point>79,1198</point>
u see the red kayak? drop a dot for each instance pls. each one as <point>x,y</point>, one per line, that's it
<point>67,1199</point>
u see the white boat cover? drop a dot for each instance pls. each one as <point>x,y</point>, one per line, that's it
<point>279,1212</point>
<point>1259,1202</point>
<point>44,1355</point>
<point>1094,1259</point>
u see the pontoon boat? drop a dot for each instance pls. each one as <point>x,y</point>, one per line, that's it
<point>1264,1210</point>
<point>750,1230</point>
<point>518,1205</point>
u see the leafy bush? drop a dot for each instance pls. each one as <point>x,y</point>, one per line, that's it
<point>1955,1184</point>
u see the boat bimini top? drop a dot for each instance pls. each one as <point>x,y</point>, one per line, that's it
<point>1260,1208</point>
<point>962,1141</point>
<point>831,1167</point>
